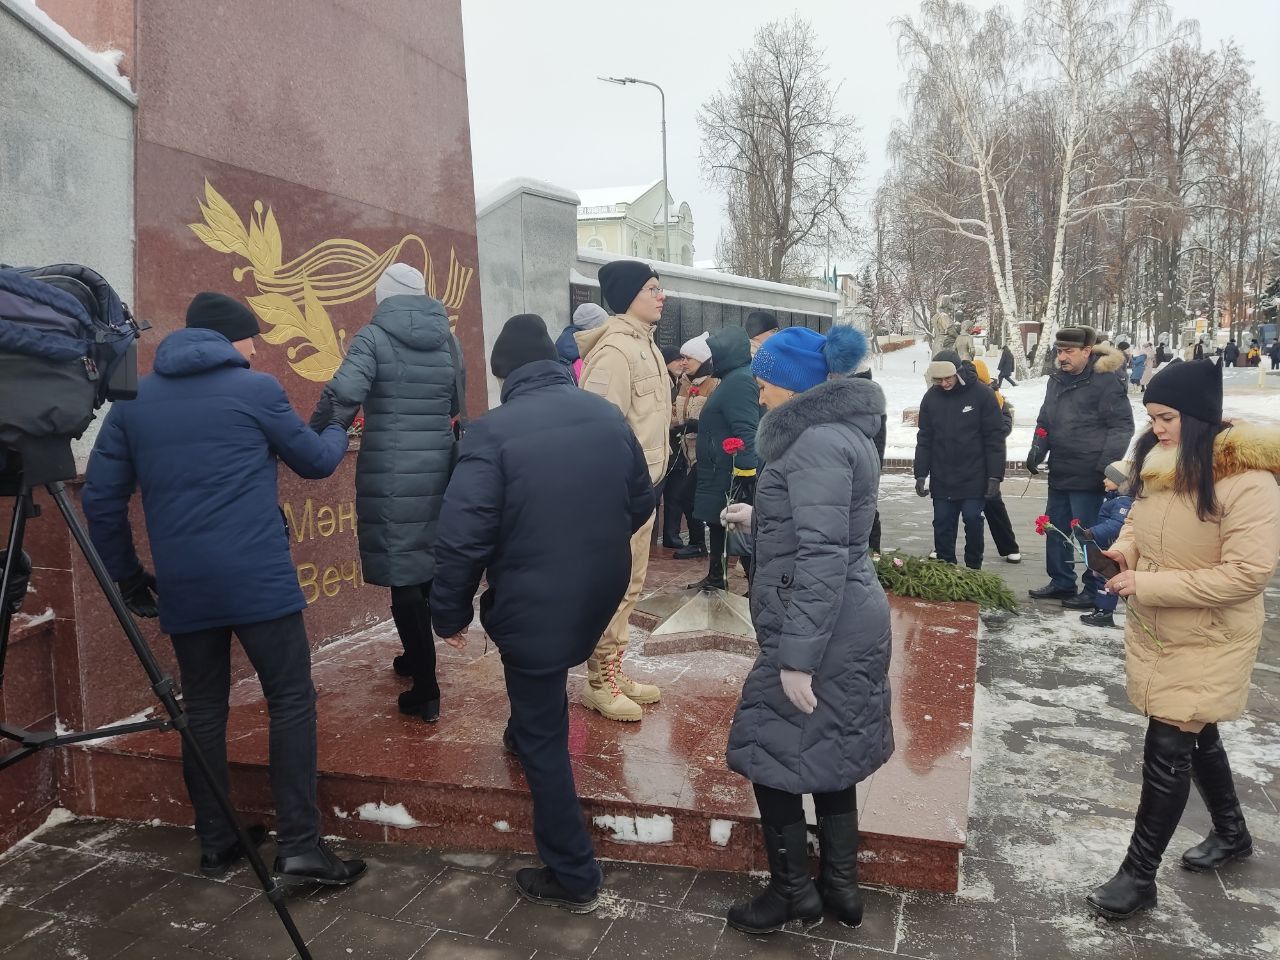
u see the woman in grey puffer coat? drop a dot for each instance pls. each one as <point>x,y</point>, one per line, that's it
<point>815,710</point>
<point>401,370</point>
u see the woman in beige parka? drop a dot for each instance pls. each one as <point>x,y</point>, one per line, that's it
<point>1196,553</point>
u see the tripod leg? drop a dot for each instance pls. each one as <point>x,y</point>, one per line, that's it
<point>165,689</point>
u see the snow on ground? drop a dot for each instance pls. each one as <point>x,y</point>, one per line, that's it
<point>901,375</point>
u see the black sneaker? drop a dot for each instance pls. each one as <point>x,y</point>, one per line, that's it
<point>215,865</point>
<point>690,552</point>
<point>319,865</point>
<point>708,584</point>
<point>672,544</point>
<point>1098,618</point>
<point>508,741</point>
<point>1079,601</point>
<point>1050,592</point>
<point>539,885</point>
<point>400,664</point>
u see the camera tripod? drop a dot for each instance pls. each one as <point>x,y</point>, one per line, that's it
<point>43,464</point>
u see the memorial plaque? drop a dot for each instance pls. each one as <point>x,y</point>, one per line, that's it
<point>668,332</point>
<point>711,319</point>
<point>690,319</point>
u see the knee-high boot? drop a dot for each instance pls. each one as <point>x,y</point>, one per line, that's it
<point>1211,773</point>
<point>1166,783</point>
<point>838,870</point>
<point>791,894</point>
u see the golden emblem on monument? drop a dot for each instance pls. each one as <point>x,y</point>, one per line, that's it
<point>292,297</point>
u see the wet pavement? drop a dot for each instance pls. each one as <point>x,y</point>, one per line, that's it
<point>1056,752</point>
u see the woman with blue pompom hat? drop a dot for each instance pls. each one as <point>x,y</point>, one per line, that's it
<point>815,710</point>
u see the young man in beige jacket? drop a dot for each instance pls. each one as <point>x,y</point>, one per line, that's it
<point>624,365</point>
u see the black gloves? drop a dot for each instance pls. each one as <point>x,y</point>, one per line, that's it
<point>1032,462</point>
<point>691,427</point>
<point>329,412</point>
<point>922,488</point>
<point>138,593</point>
<point>743,490</point>
<point>993,488</point>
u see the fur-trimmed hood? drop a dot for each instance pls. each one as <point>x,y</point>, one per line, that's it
<point>1240,448</point>
<point>1109,358</point>
<point>851,400</point>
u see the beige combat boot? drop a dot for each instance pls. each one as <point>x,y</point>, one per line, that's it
<point>604,695</point>
<point>637,692</point>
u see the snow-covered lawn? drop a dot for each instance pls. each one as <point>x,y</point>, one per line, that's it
<point>901,375</point>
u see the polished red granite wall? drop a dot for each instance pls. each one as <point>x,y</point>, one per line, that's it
<point>310,143</point>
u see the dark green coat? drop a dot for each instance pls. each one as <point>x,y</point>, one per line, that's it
<point>400,370</point>
<point>733,410</point>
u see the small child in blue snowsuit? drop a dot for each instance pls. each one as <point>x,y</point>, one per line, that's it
<point>1111,516</point>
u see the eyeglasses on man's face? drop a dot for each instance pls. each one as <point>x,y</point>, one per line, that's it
<point>654,291</point>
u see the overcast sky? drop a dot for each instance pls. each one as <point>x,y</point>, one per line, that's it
<point>537,109</point>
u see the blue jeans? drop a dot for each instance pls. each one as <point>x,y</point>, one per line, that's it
<point>1059,559</point>
<point>946,519</point>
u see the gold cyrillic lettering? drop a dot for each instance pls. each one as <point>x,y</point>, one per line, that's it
<point>304,530</point>
<point>347,516</point>
<point>307,580</point>
<point>332,579</point>
<point>326,521</point>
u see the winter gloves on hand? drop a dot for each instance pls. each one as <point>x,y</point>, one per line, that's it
<point>138,593</point>
<point>329,412</point>
<point>798,687</point>
<point>922,487</point>
<point>1033,460</point>
<point>736,515</point>
<point>993,488</point>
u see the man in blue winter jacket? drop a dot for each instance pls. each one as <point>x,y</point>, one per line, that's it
<point>202,441</point>
<point>549,451</point>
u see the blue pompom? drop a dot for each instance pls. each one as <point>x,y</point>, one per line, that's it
<point>844,349</point>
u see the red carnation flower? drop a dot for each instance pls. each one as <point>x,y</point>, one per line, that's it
<point>733,446</point>
<point>693,391</point>
<point>1041,433</point>
<point>1042,522</point>
<point>1074,523</point>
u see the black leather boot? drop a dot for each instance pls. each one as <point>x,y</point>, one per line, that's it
<point>413,623</point>
<point>838,867</point>
<point>1211,773</point>
<point>1166,783</point>
<point>791,894</point>
<point>318,865</point>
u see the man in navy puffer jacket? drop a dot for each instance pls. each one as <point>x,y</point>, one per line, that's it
<point>202,442</point>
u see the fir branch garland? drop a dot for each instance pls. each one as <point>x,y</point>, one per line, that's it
<point>927,579</point>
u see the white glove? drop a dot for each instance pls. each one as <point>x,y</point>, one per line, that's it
<point>798,687</point>
<point>736,515</point>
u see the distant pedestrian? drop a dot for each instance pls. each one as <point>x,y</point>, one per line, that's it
<point>1197,552</point>
<point>815,715</point>
<point>1231,353</point>
<point>1274,353</point>
<point>1254,357</point>
<point>549,451</point>
<point>1085,423</point>
<point>960,456</point>
<point>760,326</point>
<point>1198,352</point>
<point>1005,368</point>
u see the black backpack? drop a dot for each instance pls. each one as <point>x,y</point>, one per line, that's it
<point>67,345</point>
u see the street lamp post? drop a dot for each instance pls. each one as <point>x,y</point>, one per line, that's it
<point>666,209</point>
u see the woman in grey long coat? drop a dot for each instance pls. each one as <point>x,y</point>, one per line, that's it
<point>814,716</point>
<point>405,370</point>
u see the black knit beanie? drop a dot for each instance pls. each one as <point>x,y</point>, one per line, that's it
<point>760,321</point>
<point>523,339</point>
<point>1192,387</point>
<point>222,314</point>
<point>622,280</point>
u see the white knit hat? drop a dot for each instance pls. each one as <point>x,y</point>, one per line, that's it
<point>400,280</point>
<point>698,348</point>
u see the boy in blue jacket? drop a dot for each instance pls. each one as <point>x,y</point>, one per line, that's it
<point>1111,516</point>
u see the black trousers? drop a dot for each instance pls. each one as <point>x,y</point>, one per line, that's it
<point>779,808</point>
<point>279,652</point>
<point>677,504</point>
<point>1001,526</point>
<point>946,520</point>
<point>1002,378</point>
<point>539,728</point>
<point>412,614</point>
